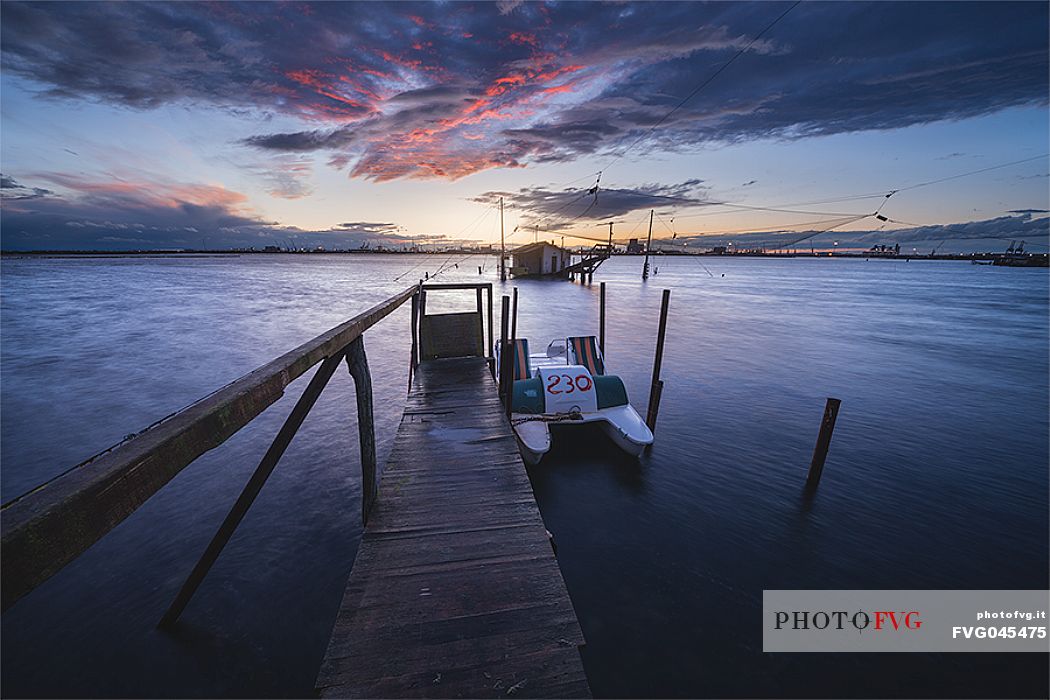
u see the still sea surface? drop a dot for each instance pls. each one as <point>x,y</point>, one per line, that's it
<point>937,476</point>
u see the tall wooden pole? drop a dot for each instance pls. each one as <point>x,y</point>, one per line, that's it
<point>601,319</point>
<point>502,246</point>
<point>610,236</point>
<point>506,356</point>
<point>514,316</point>
<point>648,242</point>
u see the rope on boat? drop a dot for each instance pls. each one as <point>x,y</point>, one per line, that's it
<point>550,417</point>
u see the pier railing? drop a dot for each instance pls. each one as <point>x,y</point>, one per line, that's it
<point>53,524</point>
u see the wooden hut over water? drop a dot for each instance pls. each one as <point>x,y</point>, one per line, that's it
<point>540,259</point>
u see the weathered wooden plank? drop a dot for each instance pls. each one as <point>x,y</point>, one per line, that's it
<point>455,591</point>
<point>48,527</point>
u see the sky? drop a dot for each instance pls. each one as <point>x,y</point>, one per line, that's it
<point>216,125</point>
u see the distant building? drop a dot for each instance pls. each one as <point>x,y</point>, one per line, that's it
<point>634,247</point>
<point>539,259</point>
<point>271,249</point>
<point>719,250</point>
<point>884,251</point>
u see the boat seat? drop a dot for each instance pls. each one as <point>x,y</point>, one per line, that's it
<point>522,370</point>
<point>583,350</point>
<point>611,391</point>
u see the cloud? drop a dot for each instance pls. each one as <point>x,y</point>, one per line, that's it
<point>563,208</point>
<point>12,191</point>
<point>119,214</point>
<point>394,90</point>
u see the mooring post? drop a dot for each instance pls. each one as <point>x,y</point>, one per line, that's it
<point>414,360</point>
<point>514,316</point>
<point>820,451</point>
<point>492,331</point>
<point>656,388</point>
<point>601,319</point>
<point>251,490</point>
<point>357,363</point>
<point>504,353</point>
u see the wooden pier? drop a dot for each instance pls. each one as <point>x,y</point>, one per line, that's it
<point>455,591</point>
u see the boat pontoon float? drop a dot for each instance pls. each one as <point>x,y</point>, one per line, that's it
<point>567,385</point>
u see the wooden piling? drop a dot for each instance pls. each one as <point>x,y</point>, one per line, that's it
<point>820,451</point>
<point>357,364</point>
<point>601,319</point>
<point>656,388</point>
<point>514,316</point>
<point>505,354</point>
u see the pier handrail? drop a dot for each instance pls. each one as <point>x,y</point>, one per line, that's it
<point>48,527</point>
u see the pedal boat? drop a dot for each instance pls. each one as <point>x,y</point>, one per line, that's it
<point>567,385</point>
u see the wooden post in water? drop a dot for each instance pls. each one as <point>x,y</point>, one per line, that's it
<point>502,246</point>
<point>820,451</point>
<point>648,243</point>
<point>601,319</point>
<point>357,364</point>
<point>657,386</point>
<point>252,488</point>
<point>504,353</point>
<point>514,317</point>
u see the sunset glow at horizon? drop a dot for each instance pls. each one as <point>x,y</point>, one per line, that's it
<point>222,125</point>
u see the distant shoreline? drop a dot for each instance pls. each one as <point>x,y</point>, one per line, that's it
<point>233,253</point>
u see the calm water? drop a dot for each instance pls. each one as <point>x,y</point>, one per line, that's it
<point>937,477</point>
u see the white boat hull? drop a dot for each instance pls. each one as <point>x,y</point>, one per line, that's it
<point>621,424</point>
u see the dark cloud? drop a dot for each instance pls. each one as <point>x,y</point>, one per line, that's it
<point>560,208</point>
<point>370,228</point>
<point>12,191</point>
<point>119,215</point>
<point>393,90</point>
<point>1029,211</point>
<point>302,141</point>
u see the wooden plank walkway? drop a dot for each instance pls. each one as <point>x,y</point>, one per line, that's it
<point>455,591</point>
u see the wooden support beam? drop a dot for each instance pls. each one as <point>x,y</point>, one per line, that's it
<point>820,450</point>
<point>273,455</point>
<point>357,363</point>
<point>48,527</point>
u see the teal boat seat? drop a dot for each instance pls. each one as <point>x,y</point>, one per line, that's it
<point>610,390</point>
<point>528,396</point>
